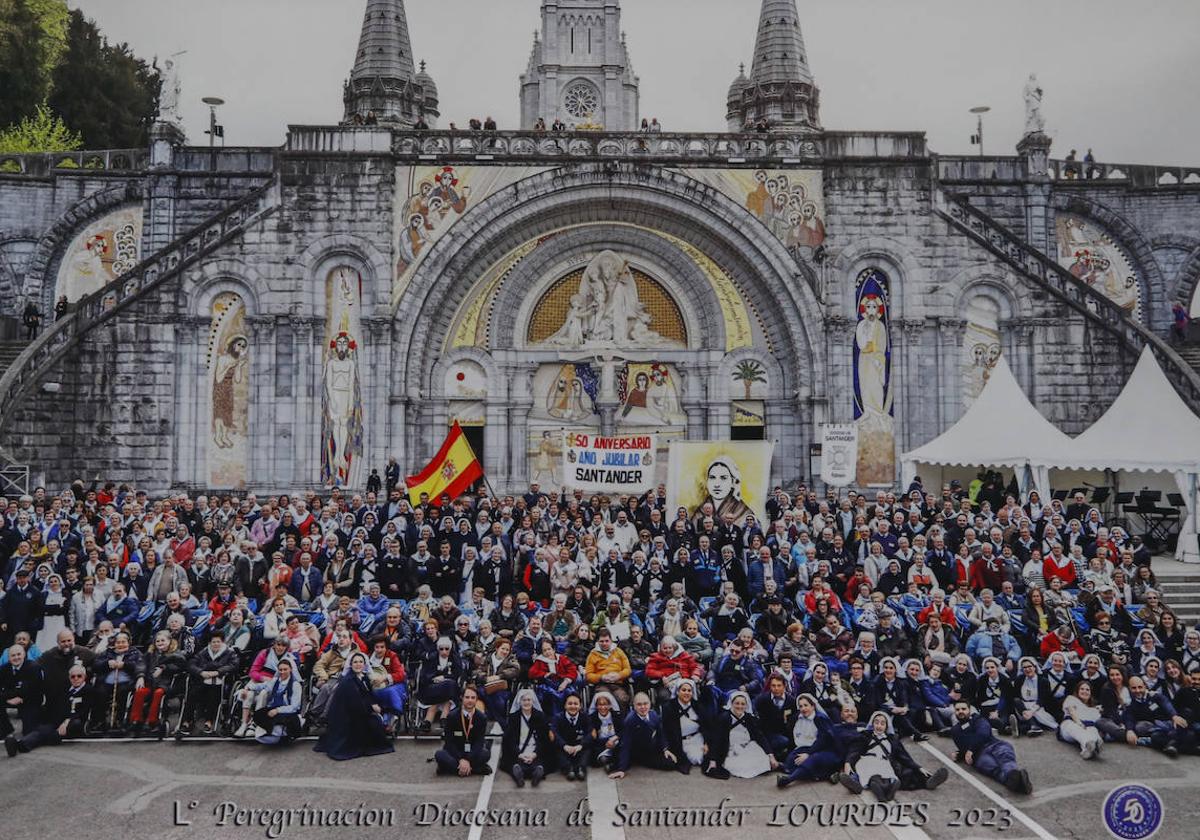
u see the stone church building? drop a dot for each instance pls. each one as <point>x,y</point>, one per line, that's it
<point>284,318</point>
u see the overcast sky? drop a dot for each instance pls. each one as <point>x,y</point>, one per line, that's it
<point>1120,76</point>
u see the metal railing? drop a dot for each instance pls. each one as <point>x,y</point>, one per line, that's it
<point>102,304</point>
<point>1066,287</point>
<point>967,169</point>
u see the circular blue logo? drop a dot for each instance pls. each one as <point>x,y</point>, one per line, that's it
<point>1133,812</point>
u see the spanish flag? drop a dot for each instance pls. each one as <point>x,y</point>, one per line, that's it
<point>454,469</point>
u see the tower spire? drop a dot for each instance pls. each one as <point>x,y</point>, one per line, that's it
<point>384,80</point>
<point>781,88</point>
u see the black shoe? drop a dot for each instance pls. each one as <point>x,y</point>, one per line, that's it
<point>919,737</point>
<point>426,726</point>
<point>782,781</point>
<point>1171,751</point>
<point>851,783</point>
<point>10,746</point>
<point>936,778</point>
<point>1026,786</point>
<point>581,774</point>
<point>684,767</point>
<point>717,773</point>
<point>518,775</point>
<point>486,770</point>
<point>1035,731</point>
<point>535,778</point>
<point>944,732</point>
<point>878,787</point>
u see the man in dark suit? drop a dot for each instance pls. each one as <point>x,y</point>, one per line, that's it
<point>642,741</point>
<point>20,690</point>
<point>774,708</point>
<point>20,609</point>
<point>571,734</point>
<point>465,750</point>
<point>64,715</point>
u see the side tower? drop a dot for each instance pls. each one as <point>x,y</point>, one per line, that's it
<point>384,79</point>
<point>780,87</point>
<point>579,70</point>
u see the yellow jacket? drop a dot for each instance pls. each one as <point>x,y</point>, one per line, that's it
<point>616,662</point>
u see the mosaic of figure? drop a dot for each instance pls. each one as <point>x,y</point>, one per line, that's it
<point>873,396</point>
<point>649,396</point>
<point>341,392</point>
<point>229,384</point>
<point>981,347</point>
<point>1093,257</point>
<point>104,251</point>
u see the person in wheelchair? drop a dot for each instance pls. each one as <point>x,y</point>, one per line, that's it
<point>120,670</point>
<point>328,671</point>
<point>552,675</point>
<point>211,668</point>
<point>262,672</point>
<point>64,715</point>
<point>387,680</point>
<point>495,676</point>
<point>20,689</point>
<point>438,681</point>
<point>164,662</point>
<point>283,697</point>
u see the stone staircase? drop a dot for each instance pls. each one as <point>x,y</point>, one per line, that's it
<point>1064,287</point>
<point>1182,594</point>
<point>1190,353</point>
<point>9,351</point>
<point>186,250</point>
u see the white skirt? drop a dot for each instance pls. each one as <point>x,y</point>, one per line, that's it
<point>872,765</point>
<point>746,759</point>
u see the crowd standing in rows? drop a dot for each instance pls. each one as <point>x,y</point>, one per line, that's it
<point>596,631</point>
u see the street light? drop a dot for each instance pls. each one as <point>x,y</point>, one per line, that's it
<point>977,137</point>
<point>214,130</point>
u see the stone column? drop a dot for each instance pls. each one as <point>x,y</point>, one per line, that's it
<point>839,360</point>
<point>306,444</point>
<point>373,375</point>
<point>191,407</point>
<point>263,444</point>
<point>907,405</point>
<point>1034,152</point>
<point>951,332</point>
<point>1016,341</point>
<point>518,443</point>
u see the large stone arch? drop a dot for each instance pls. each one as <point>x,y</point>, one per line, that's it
<point>1186,281</point>
<point>762,269</point>
<point>1154,285</point>
<point>680,277</point>
<point>54,241</point>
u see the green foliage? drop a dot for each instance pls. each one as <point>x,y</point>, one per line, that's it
<point>33,37</point>
<point>103,90</point>
<point>43,132</point>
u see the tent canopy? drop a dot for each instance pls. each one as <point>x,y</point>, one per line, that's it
<point>1148,428</point>
<point>1000,429</point>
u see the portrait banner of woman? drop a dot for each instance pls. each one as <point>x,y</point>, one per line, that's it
<point>719,479</point>
<point>228,365</point>
<point>873,393</point>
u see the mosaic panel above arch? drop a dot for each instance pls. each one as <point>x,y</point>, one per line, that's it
<point>551,311</point>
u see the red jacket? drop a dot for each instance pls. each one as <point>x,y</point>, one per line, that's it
<point>660,667</point>
<point>1066,574</point>
<point>565,668</point>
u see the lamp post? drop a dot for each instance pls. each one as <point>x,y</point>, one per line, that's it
<point>214,130</point>
<point>977,139</point>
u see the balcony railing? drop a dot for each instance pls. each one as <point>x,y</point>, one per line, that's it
<point>60,163</point>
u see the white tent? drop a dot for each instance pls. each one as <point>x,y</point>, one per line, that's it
<point>1000,429</point>
<point>1149,428</point>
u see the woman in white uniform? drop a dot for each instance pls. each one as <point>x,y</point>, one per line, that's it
<point>54,614</point>
<point>1078,726</point>
<point>686,726</point>
<point>738,746</point>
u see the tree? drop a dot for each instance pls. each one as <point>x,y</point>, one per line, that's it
<point>43,132</point>
<point>748,372</point>
<point>104,91</point>
<point>33,37</point>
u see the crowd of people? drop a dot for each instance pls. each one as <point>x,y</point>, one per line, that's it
<point>594,631</point>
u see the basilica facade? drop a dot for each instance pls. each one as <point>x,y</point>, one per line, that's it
<point>285,318</point>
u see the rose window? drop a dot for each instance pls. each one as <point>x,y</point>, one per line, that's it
<point>581,101</point>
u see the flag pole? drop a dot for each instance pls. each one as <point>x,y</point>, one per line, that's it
<point>487,481</point>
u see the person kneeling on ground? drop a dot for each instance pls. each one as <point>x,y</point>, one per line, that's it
<point>63,716</point>
<point>879,757</point>
<point>978,747</point>
<point>465,750</point>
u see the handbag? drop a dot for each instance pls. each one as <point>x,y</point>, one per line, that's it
<point>493,687</point>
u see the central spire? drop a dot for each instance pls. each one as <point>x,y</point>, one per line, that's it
<point>781,89</point>
<point>384,81</point>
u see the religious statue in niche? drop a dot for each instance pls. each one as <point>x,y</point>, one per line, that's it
<point>607,310</point>
<point>873,394</point>
<point>341,393</point>
<point>229,392</point>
